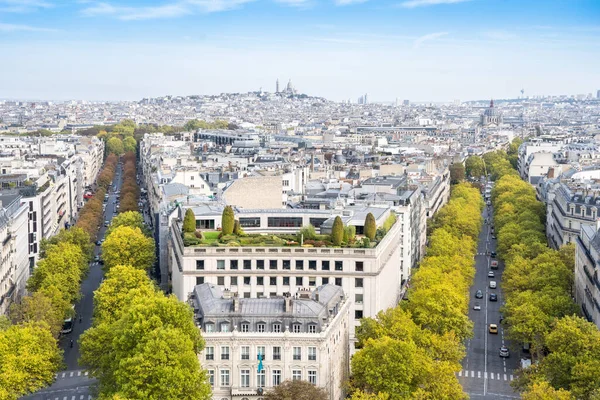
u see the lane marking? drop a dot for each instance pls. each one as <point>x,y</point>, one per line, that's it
<point>504,376</point>
<point>78,373</point>
<point>478,374</point>
<point>492,376</point>
<point>472,374</point>
<point>511,377</point>
<point>460,373</point>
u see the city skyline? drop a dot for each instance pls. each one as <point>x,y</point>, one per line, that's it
<point>422,50</point>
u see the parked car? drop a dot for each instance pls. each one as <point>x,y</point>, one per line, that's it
<point>504,352</point>
<point>493,329</point>
<point>493,297</point>
<point>494,264</point>
<point>491,274</point>
<point>98,242</point>
<point>477,307</point>
<point>106,223</point>
<point>479,294</point>
<point>493,254</point>
<point>492,284</point>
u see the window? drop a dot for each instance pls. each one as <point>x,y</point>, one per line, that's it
<point>261,378</point>
<point>246,222</point>
<point>286,280</point>
<point>312,264</point>
<point>273,281</point>
<point>246,295</point>
<point>359,266</point>
<point>358,298</point>
<point>260,264</point>
<point>317,222</point>
<point>358,282</point>
<point>277,328</point>
<point>339,266</point>
<point>220,264</point>
<point>245,352</point>
<point>312,281</point>
<point>225,327</point>
<point>286,264</point>
<point>209,327</point>
<point>312,377</point>
<point>199,264</point>
<point>299,281</point>
<point>199,280</point>
<point>285,183</point>
<point>296,328</point>
<point>245,378</point>
<point>276,377</point>
<point>272,264</point>
<point>299,264</point>
<point>260,352</point>
<point>247,264</point>
<point>224,352</point>
<point>210,353</point>
<point>338,281</point>
<point>296,375</point>
<point>325,265</point>
<point>246,280</point>
<point>312,354</point>
<point>260,328</point>
<point>233,280</point>
<point>284,222</point>
<point>220,280</point>
<point>233,264</point>
<point>211,377</point>
<point>324,281</point>
<point>312,328</point>
<point>276,353</point>
<point>245,327</point>
<point>358,314</point>
<point>260,280</point>
<point>297,353</point>
<point>224,377</point>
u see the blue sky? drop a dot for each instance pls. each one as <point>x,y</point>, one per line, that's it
<point>422,50</point>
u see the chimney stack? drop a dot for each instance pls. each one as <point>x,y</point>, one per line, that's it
<point>236,303</point>
<point>287,303</point>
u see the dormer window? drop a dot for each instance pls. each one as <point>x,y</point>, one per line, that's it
<point>225,327</point>
<point>260,327</point>
<point>312,328</point>
<point>209,327</point>
<point>245,327</point>
<point>296,328</point>
<point>276,328</point>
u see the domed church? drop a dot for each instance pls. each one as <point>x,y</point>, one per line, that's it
<point>491,116</point>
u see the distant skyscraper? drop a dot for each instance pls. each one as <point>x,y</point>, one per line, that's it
<point>365,99</point>
<point>598,94</point>
<point>360,100</point>
<point>277,86</point>
<point>406,102</point>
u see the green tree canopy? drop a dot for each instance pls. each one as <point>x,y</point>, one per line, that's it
<point>297,390</point>
<point>337,232</point>
<point>227,221</point>
<point>474,167</point>
<point>189,221</point>
<point>115,146</point>
<point>370,226</point>
<point>132,219</point>
<point>128,246</point>
<point>457,173</point>
<point>129,144</point>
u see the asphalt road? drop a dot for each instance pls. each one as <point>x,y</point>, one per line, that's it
<point>73,383</point>
<point>485,374</point>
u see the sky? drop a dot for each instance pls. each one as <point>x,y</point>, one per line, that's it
<point>421,50</point>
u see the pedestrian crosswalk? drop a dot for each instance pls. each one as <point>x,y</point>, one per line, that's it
<point>72,397</point>
<point>72,374</point>
<point>495,376</point>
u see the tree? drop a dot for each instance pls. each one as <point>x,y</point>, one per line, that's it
<point>297,390</point>
<point>29,358</point>
<point>227,221</point>
<point>337,232</point>
<point>370,226</point>
<point>306,233</point>
<point>129,144</point>
<point>349,233</point>
<point>189,221</point>
<point>543,391</point>
<point>74,235</point>
<point>132,219</point>
<point>474,167</point>
<point>128,246</point>
<point>115,146</point>
<point>115,293</point>
<point>38,307</point>
<point>457,173</point>
<point>360,395</point>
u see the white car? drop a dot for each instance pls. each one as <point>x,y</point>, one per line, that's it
<point>491,274</point>
<point>492,284</point>
<point>476,307</point>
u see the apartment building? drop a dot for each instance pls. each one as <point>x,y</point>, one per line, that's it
<point>371,277</point>
<point>255,344</point>
<point>587,270</point>
<point>14,265</point>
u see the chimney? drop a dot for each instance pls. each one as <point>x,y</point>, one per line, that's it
<point>287,303</point>
<point>236,303</point>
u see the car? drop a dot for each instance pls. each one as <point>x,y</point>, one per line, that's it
<point>492,284</point>
<point>98,242</point>
<point>500,319</point>
<point>491,274</point>
<point>97,258</point>
<point>494,264</point>
<point>493,297</point>
<point>494,237</point>
<point>493,254</point>
<point>504,352</point>
<point>106,223</point>
<point>479,294</point>
<point>493,329</point>
<point>476,307</point>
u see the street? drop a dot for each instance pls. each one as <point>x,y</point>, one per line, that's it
<point>485,374</point>
<point>73,383</point>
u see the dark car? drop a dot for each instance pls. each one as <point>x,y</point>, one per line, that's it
<point>493,254</point>
<point>479,294</point>
<point>98,242</point>
<point>493,297</point>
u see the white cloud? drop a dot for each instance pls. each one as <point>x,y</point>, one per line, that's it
<point>424,3</point>
<point>500,35</point>
<point>23,28</point>
<point>349,2</point>
<point>295,3</point>
<point>21,6</point>
<point>426,38</point>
